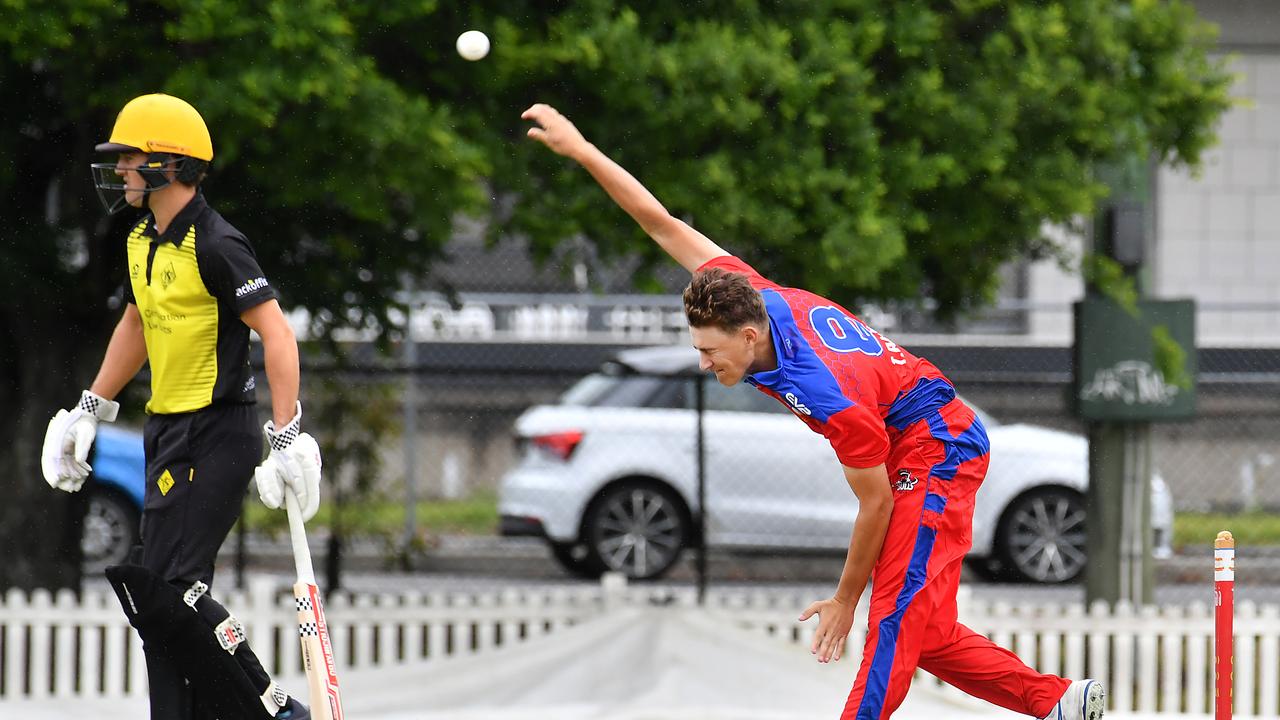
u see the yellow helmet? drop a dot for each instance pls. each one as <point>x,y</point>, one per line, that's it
<point>176,143</point>
<point>160,123</point>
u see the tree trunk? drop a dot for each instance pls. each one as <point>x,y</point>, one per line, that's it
<point>55,315</point>
<point>44,363</point>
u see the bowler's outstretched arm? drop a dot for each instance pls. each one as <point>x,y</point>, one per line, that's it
<point>685,245</point>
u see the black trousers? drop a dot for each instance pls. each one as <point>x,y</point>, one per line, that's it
<point>199,465</point>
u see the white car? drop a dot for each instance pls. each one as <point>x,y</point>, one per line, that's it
<point>609,478</point>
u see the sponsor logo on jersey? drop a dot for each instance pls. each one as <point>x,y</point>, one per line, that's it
<point>168,275</point>
<point>251,286</point>
<point>795,403</point>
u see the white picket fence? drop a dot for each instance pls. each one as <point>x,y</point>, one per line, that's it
<point>1153,659</point>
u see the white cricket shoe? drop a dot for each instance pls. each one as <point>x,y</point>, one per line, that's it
<point>1083,700</point>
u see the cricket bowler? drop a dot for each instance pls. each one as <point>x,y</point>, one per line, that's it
<point>913,453</point>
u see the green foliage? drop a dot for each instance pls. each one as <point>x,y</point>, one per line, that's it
<point>862,148</point>
<point>345,175</point>
<point>1170,358</point>
<point>1111,281</point>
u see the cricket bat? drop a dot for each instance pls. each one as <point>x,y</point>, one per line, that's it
<point>313,632</point>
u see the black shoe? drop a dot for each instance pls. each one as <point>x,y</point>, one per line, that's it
<point>293,710</point>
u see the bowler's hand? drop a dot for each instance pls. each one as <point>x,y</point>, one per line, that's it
<point>554,130</point>
<point>835,618</point>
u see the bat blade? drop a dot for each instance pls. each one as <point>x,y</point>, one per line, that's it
<point>317,654</point>
<point>313,630</point>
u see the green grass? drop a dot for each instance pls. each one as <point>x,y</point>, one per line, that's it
<point>475,515</point>
<point>1251,528</point>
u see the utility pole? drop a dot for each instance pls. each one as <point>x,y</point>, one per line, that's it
<point>410,441</point>
<point>1121,388</point>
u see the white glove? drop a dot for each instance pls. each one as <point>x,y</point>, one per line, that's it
<point>294,463</point>
<point>65,457</point>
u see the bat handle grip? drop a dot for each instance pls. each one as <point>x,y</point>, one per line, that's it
<point>298,536</point>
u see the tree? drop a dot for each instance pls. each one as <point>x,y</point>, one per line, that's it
<point>343,177</point>
<point>864,149</point>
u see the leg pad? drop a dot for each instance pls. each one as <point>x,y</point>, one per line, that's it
<point>195,636</point>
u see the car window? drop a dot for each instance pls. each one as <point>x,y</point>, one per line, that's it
<point>587,390</point>
<point>607,390</point>
<point>678,393</point>
<point>739,398</point>
<point>673,394</point>
<point>630,391</point>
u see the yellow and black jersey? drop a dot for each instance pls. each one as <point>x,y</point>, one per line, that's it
<point>191,283</point>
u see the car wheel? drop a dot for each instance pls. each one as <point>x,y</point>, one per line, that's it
<point>575,558</point>
<point>110,531</point>
<point>637,529</point>
<point>1041,536</point>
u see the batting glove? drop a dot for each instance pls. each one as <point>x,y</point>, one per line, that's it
<point>64,460</point>
<point>293,465</point>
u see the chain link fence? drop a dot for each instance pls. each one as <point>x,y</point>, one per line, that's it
<point>530,457</point>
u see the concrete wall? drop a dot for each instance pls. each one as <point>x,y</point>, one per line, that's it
<point>1219,232</point>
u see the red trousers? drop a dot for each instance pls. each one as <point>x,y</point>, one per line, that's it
<point>936,467</point>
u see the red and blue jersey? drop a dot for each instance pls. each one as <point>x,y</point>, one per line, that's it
<point>845,380</point>
<point>862,392</point>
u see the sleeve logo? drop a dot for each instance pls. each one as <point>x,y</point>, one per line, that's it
<point>251,286</point>
<point>797,405</point>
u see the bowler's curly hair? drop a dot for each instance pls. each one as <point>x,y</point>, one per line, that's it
<point>723,299</point>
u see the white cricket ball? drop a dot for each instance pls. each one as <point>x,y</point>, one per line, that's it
<point>473,45</point>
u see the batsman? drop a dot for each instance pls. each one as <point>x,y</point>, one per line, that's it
<point>193,292</point>
<point>913,453</point>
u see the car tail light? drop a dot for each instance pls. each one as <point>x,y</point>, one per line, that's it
<point>560,444</point>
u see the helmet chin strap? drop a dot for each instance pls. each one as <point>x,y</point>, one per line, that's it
<point>153,173</point>
<point>153,170</point>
